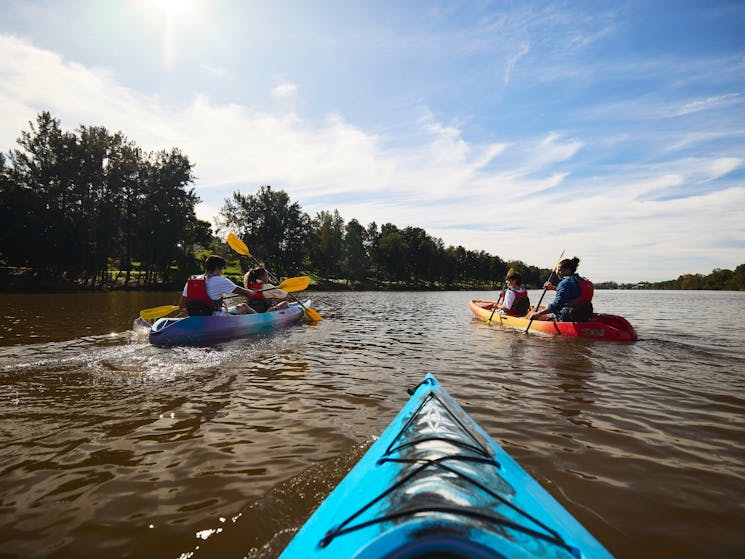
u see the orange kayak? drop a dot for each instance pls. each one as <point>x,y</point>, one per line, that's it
<point>602,326</point>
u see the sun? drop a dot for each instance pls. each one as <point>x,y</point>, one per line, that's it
<point>173,7</point>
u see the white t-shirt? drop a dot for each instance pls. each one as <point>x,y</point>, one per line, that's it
<point>217,286</point>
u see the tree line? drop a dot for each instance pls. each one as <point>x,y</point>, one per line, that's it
<point>719,279</point>
<point>372,256</point>
<point>90,208</point>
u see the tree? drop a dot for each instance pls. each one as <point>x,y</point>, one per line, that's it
<point>43,229</point>
<point>372,249</point>
<point>326,243</point>
<point>167,210</point>
<point>420,254</point>
<point>274,229</point>
<point>354,256</point>
<point>393,253</point>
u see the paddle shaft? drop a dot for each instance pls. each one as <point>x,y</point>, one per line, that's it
<point>494,309</point>
<point>504,290</point>
<point>544,291</point>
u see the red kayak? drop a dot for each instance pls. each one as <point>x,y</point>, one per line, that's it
<point>602,326</point>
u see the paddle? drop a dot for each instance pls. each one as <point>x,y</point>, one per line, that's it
<point>291,284</point>
<point>240,247</point>
<point>504,287</point>
<point>157,312</point>
<point>556,267</point>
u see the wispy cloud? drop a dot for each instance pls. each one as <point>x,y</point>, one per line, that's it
<point>698,105</point>
<point>513,60</point>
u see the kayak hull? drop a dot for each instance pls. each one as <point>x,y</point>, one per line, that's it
<point>204,330</point>
<point>435,482</point>
<point>603,326</point>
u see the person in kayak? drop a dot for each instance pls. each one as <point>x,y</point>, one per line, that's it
<point>516,302</point>
<point>573,301</point>
<point>202,295</point>
<point>264,293</point>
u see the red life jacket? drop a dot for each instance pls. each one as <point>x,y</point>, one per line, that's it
<point>256,286</point>
<point>196,290</point>
<point>520,304</point>
<point>586,291</point>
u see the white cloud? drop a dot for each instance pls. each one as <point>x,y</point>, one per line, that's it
<point>285,90</point>
<point>723,166</point>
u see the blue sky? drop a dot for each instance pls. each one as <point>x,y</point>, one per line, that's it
<point>614,130</point>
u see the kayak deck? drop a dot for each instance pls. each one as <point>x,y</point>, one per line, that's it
<point>200,330</point>
<point>603,326</point>
<point>435,482</point>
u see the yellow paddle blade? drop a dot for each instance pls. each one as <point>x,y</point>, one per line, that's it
<point>292,285</point>
<point>157,312</point>
<point>237,245</point>
<point>313,314</point>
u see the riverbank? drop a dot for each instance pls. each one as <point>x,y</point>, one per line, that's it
<point>27,280</point>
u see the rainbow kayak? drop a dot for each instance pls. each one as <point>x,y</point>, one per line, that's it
<point>203,330</point>
<point>436,485</point>
<point>602,326</point>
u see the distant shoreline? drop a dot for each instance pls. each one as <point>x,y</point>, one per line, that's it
<point>326,286</point>
<point>19,280</point>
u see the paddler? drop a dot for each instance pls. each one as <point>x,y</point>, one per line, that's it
<point>573,301</point>
<point>516,302</point>
<point>202,295</point>
<point>264,293</point>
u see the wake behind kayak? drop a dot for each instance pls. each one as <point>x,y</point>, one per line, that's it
<point>436,485</point>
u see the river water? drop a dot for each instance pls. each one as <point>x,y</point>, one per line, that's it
<point>112,448</point>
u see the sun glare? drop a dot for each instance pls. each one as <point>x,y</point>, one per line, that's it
<point>176,14</point>
<point>173,7</point>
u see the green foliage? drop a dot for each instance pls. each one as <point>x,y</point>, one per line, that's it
<point>75,204</point>
<point>275,230</point>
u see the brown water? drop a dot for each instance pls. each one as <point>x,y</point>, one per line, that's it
<point>112,448</point>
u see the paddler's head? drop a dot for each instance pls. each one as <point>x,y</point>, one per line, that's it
<point>567,267</point>
<point>514,279</point>
<point>214,265</point>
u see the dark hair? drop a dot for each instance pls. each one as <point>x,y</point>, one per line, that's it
<point>214,262</point>
<point>256,273</point>
<point>515,276</point>
<point>570,263</point>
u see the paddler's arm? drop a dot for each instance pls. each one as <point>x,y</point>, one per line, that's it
<point>534,315</point>
<point>243,291</point>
